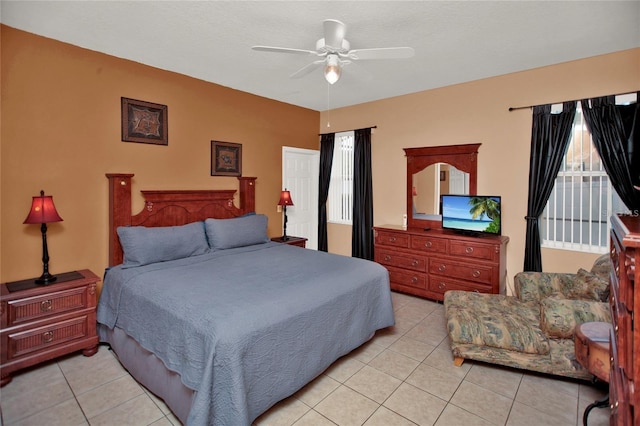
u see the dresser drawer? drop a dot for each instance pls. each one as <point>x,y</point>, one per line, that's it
<point>26,341</point>
<point>473,250</point>
<point>440,285</point>
<point>400,260</point>
<point>429,244</point>
<point>407,278</point>
<point>394,239</point>
<point>20,311</point>
<point>464,271</point>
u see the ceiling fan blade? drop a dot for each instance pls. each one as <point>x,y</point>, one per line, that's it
<point>381,53</point>
<point>284,50</point>
<point>334,32</point>
<point>306,69</point>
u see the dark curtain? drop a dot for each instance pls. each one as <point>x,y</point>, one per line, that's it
<point>362,228</point>
<point>550,135</point>
<point>615,130</point>
<point>326,160</point>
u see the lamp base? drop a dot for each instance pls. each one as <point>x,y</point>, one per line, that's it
<point>284,238</point>
<point>46,279</point>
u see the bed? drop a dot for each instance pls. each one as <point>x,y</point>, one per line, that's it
<point>214,318</point>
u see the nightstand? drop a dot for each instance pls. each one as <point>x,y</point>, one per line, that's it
<point>43,322</point>
<point>292,241</point>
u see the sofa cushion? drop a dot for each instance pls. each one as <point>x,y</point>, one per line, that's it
<point>586,286</point>
<point>494,320</point>
<point>559,317</point>
<point>602,267</point>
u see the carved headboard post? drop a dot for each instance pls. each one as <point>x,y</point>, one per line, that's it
<point>119,212</point>
<point>247,194</point>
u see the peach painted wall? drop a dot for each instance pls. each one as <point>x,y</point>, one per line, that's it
<point>61,133</point>
<point>477,112</point>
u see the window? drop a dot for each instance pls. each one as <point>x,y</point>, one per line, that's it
<point>582,200</point>
<point>340,202</point>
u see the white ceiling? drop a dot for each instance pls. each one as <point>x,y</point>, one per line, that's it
<point>454,41</point>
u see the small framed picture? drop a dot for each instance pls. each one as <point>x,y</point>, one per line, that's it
<point>226,159</point>
<point>144,122</point>
<point>443,175</point>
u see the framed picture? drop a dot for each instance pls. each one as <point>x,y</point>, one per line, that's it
<point>226,159</point>
<point>443,175</point>
<point>144,122</point>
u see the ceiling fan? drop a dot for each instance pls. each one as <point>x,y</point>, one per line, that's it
<point>334,52</point>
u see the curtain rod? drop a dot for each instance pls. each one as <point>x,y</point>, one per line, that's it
<point>574,100</point>
<point>353,130</point>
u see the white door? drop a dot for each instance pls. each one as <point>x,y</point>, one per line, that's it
<point>300,170</point>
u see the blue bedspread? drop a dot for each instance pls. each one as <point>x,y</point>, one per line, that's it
<point>247,327</point>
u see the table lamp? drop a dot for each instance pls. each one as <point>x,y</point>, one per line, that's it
<point>43,211</point>
<point>285,200</point>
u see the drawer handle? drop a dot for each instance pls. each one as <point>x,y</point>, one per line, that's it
<point>415,262</point>
<point>475,273</point>
<point>46,305</point>
<point>442,286</point>
<point>441,268</point>
<point>469,250</point>
<point>47,337</point>
<point>387,258</point>
<point>428,244</point>
<point>414,280</point>
<point>392,239</point>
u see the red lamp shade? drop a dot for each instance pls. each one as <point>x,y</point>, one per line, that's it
<point>285,199</point>
<point>42,210</point>
<point>414,191</point>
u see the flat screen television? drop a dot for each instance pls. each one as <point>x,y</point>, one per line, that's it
<point>471,214</point>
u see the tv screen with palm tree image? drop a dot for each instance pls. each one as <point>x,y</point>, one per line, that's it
<point>471,214</point>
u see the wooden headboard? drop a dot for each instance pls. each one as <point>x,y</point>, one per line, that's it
<point>172,207</point>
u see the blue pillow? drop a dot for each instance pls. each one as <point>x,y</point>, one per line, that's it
<point>237,232</point>
<point>142,245</point>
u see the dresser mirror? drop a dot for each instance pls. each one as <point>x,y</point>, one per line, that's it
<point>436,170</point>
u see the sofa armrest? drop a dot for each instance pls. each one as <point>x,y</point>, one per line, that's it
<point>535,286</point>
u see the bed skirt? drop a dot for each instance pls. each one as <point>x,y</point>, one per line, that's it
<point>149,370</point>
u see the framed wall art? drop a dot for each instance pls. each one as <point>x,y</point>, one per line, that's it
<point>144,122</point>
<point>226,159</point>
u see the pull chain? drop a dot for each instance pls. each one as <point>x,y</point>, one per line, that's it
<point>328,105</point>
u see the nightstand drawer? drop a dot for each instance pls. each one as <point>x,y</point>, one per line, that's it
<point>33,308</point>
<point>30,340</point>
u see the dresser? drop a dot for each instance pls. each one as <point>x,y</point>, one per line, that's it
<point>429,263</point>
<point>624,397</point>
<point>42,322</point>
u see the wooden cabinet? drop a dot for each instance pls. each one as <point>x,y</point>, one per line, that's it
<point>624,300</point>
<point>292,241</point>
<point>428,263</point>
<point>41,322</point>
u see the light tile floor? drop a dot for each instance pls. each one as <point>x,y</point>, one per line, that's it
<point>403,376</point>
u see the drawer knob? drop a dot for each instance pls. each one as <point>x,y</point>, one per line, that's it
<point>46,305</point>
<point>428,244</point>
<point>47,337</point>
<point>442,286</point>
<point>414,280</point>
<point>392,239</point>
<point>387,258</point>
<point>475,273</point>
<point>469,250</point>
<point>415,262</point>
<point>441,268</point>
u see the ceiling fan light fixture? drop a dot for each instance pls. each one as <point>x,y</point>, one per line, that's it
<point>332,71</point>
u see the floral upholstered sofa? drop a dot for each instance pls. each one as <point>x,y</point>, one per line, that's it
<point>534,329</point>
